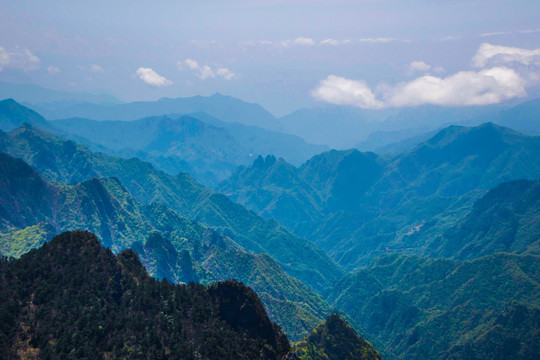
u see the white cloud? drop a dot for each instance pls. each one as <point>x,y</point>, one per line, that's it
<point>4,58</point>
<point>379,40</point>
<point>340,91</point>
<point>31,57</point>
<point>528,31</point>
<point>333,42</point>
<point>498,33</point>
<point>423,67</point>
<point>18,59</point>
<point>152,78</point>
<point>95,68</point>
<point>505,54</point>
<point>489,86</point>
<point>226,73</point>
<point>300,41</point>
<point>450,38</point>
<point>495,33</point>
<point>53,70</point>
<point>204,71</point>
<point>465,88</point>
<point>419,66</point>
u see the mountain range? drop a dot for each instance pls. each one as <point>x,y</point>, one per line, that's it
<point>170,246</point>
<point>487,308</point>
<point>378,130</point>
<point>429,252</point>
<point>207,148</point>
<point>223,107</point>
<point>356,205</point>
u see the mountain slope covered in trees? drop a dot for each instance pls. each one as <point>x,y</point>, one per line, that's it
<point>58,160</point>
<point>335,340</point>
<point>170,246</point>
<point>487,308</point>
<point>74,298</point>
<point>356,205</point>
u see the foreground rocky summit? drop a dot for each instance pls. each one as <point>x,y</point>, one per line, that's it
<point>72,298</point>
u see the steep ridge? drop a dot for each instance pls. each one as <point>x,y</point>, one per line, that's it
<point>440,308</point>
<point>503,220</point>
<point>64,161</point>
<point>169,245</point>
<point>357,205</point>
<point>335,340</point>
<point>74,298</point>
<point>13,115</point>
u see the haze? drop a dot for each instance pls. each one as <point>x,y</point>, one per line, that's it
<point>284,55</point>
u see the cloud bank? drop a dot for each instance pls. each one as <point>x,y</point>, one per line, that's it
<point>152,78</point>
<point>489,86</point>
<point>309,42</point>
<point>464,88</point>
<point>505,54</point>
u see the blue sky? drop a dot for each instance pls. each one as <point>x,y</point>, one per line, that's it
<point>281,54</point>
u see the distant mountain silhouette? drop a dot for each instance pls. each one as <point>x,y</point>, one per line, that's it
<point>220,106</point>
<point>13,115</point>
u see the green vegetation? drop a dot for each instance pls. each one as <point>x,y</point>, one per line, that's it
<point>169,245</point>
<point>442,241</point>
<point>439,308</point>
<point>358,205</point>
<point>19,242</point>
<point>503,220</point>
<point>73,298</point>
<point>62,161</point>
<point>335,340</point>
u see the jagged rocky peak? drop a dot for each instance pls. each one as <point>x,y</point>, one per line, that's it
<point>72,297</point>
<point>335,340</point>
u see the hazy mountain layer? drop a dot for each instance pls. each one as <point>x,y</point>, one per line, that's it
<point>220,106</point>
<point>207,148</point>
<point>342,127</point>
<point>13,115</point>
<point>34,94</point>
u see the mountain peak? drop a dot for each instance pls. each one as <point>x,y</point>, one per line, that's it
<point>96,305</point>
<point>13,114</point>
<point>335,340</point>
